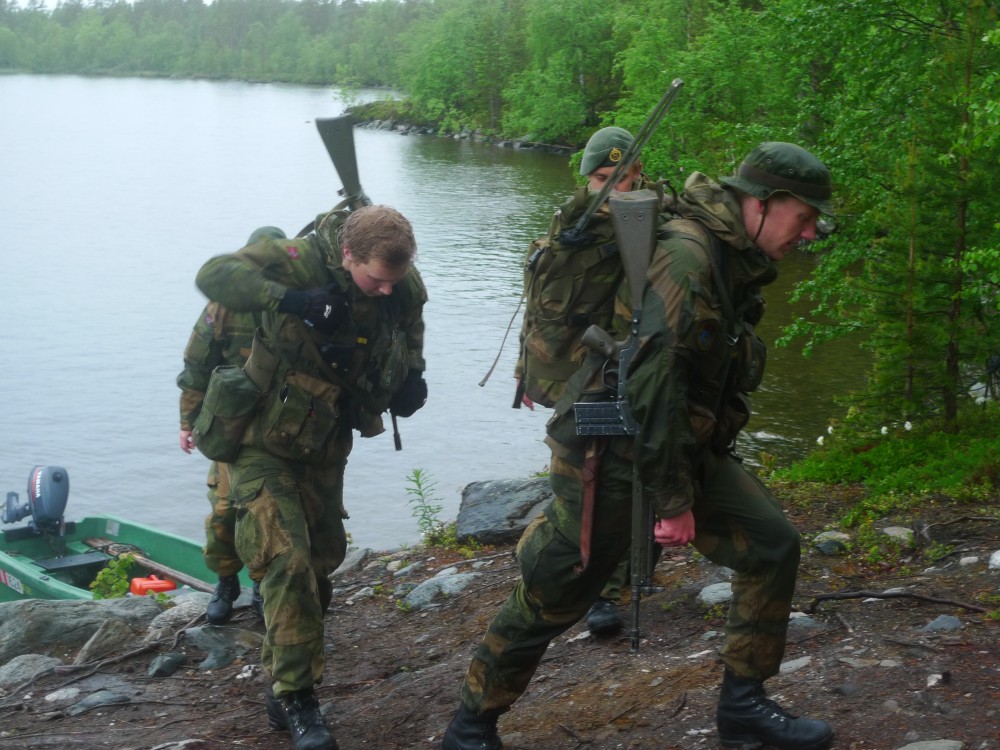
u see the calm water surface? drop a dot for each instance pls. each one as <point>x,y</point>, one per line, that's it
<point>115,191</point>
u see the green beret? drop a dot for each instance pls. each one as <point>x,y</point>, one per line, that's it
<point>776,167</point>
<point>605,148</point>
<point>270,233</point>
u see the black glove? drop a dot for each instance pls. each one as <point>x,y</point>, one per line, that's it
<point>326,308</point>
<point>412,394</point>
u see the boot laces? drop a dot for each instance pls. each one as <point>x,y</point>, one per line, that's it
<point>228,588</point>
<point>771,710</point>
<point>302,709</point>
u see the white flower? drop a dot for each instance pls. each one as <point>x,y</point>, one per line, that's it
<point>885,430</point>
<point>819,440</point>
<point>907,425</point>
<point>829,430</point>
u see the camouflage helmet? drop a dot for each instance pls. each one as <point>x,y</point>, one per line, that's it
<point>268,233</point>
<point>605,148</point>
<point>776,167</point>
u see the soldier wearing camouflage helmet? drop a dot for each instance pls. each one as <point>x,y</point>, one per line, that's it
<point>688,389</point>
<point>341,342</point>
<point>220,337</point>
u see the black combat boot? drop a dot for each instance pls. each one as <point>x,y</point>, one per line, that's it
<point>469,731</point>
<point>220,606</point>
<point>747,719</point>
<point>257,601</point>
<point>298,712</point>
<point>603,618</point>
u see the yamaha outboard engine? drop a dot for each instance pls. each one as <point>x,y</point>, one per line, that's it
<point>48,491</point>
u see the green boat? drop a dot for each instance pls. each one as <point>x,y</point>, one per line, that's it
<point>51,558</point>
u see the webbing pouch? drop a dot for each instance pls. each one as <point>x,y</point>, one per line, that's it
<point>300,417</point>
<point>230,402</point>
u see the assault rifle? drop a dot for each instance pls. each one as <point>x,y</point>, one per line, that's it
<point>576,235</point>
<point>338,137</point>
<point>635,216</point>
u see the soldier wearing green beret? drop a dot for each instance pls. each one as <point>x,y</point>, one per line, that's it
<point>698,359</point>
<point>219,337</point>
<point>545,362</point>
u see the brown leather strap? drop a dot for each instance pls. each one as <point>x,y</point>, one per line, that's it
<point>591,467</point>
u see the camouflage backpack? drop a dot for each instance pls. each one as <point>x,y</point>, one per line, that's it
<point>569,288</point>
<point>566,289</point>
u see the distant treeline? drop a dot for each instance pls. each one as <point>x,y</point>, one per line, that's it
<point>902,100</point>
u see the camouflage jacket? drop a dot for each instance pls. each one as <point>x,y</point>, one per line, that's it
<point>680,389</point>
<point>220,337</point>
<point>369,354</point>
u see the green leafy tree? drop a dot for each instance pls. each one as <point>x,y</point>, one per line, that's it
<point>570,80</point>
<point>458,59</point>
<point>921,190</point>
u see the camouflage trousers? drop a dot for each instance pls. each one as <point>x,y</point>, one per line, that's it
<point>739,524</point>
<point>621,578</point>
<point>220,525</point>
<point>290,534</point>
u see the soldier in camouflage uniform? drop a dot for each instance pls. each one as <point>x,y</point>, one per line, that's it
<point>220,337</point>
<point>687,389</point>
<point>342,342</point>
<point>545,363</point>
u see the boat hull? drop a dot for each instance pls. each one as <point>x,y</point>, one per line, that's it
<point>35,566</point>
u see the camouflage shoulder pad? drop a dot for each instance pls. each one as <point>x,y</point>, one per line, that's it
<point>688,229</point>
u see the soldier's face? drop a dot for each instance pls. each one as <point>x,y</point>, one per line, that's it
<point>599,176</point>
<point>787,224</point>
<point>373,277</point>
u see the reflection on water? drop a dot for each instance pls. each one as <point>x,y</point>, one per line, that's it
<point>109,214</point>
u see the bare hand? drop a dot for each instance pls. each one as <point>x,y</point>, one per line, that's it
<point>675,532</point>
<point>187,441</point>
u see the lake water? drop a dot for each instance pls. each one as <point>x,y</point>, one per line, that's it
<point>113,192</point>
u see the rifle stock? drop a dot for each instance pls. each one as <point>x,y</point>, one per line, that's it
<point>338,137</point>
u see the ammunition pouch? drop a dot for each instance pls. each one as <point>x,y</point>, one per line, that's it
<point>261,363</point>
<point>299,417</point>
<point>230,402</point>
<point>734,413</point>
<point>753,360</point>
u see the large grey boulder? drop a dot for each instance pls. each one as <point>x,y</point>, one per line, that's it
<point>44,626</point>
<point>496,512</point>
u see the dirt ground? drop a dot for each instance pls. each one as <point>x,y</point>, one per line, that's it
<point>392,677</point>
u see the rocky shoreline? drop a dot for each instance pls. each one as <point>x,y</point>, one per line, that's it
<point>895,662</point>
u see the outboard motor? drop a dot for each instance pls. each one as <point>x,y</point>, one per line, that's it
<point>48,491</point>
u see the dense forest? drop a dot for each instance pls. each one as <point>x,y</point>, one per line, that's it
<point>901,99</point>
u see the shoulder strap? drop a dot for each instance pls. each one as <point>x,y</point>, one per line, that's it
<point>720,267</point>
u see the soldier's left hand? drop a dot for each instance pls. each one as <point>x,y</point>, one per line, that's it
<point>411,396</point>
